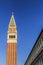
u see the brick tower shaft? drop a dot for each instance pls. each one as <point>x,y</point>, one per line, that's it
<point>11,54</point>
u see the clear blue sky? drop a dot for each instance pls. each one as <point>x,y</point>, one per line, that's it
<point>29,20</point>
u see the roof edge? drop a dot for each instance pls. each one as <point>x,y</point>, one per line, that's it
<point>34,44</point>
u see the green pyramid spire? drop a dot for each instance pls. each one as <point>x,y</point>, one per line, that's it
<point>12,21</point>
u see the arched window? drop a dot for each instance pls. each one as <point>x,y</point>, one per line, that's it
<point>11,36</point>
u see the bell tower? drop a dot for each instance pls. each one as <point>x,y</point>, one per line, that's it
<point>11,57</point>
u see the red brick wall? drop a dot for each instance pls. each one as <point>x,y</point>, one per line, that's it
<point>11,56</point>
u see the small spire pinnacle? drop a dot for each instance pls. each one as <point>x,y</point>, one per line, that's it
<point>12,13</point>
